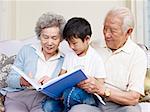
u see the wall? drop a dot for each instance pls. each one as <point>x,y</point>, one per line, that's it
<point>7,20</point>
<point>25,14</point>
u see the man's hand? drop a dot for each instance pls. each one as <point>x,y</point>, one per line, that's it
<point>93,85</point>
<point>44,79</point>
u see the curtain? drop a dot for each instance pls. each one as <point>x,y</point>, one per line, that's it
<point>141,11</point>
<point>7,20</point>
<point>147,23</point>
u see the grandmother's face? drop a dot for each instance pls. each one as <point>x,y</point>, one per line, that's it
<point>50,40</point>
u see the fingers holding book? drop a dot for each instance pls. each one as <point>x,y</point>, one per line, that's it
<point>44,79</point>
<point>25,83</point>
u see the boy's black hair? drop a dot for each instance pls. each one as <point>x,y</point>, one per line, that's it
<point>77,27</point>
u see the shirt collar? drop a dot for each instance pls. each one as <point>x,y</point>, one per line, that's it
<point>89,50</point>
<point>38,48</point>
<point>127,48</point>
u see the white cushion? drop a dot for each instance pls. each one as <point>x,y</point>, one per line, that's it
<point>145,107</point>
<point>11,47</point>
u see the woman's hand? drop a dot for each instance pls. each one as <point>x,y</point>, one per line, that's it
<point>23,82</point>
<point>44,79</point>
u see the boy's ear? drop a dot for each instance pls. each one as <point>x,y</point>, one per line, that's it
<point>87,38</point>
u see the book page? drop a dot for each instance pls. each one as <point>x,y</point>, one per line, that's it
<point>34,83</point>
<point>57,78</point>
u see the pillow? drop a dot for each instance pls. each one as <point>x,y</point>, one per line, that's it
<point>5,67</point>
<point>146,98</point>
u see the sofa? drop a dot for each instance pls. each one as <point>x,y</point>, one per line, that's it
<point>9,49</point>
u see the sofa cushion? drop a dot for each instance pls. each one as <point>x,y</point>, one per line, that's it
<point>5,67</point>
<point>146,98</point>
<point>145,107</point>
<point>11,47</point>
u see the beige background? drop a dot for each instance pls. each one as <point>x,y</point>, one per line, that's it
<point>18,17</point>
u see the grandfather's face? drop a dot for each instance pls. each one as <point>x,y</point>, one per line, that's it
<point>50,40</point>
<point>114,35</point>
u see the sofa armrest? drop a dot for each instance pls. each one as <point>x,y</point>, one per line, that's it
<point>145,107</point>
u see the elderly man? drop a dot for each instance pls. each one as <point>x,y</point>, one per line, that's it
<point>125,64</point>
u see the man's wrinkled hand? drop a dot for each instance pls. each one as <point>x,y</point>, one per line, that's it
<point>91,85</point>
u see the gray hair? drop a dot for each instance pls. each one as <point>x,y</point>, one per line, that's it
<point>48,20</point>
<point>126,15</point>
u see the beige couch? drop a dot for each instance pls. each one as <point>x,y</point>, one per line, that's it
<point>8,50</point>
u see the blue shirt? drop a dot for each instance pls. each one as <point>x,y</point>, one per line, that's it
<point>26,60</point>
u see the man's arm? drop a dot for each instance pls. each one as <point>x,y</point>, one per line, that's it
<point>124,97</point>
<point>93,85</point>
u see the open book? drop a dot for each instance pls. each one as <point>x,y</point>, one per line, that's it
<point>55,86</point>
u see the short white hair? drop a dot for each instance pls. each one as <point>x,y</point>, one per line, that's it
<point>48,20</point>
<point>125,14</point>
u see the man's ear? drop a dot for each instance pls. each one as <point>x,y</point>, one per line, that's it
<point>129,31</point>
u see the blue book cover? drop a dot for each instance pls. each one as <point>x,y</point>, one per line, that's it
<point>55,87</point>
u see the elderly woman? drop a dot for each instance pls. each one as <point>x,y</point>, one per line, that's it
<point>40,61</point>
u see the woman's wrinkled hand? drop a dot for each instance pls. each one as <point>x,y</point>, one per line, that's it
<point>44,79</point>
<point>24,83</point>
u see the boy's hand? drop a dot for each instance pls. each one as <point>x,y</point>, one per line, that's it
<point>44,79</point>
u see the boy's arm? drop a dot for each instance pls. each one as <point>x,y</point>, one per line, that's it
<point>62,72</point>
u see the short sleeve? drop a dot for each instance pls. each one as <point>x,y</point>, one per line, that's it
<point>99,68</point>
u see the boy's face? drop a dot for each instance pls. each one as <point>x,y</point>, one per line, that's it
<point>80,47</point>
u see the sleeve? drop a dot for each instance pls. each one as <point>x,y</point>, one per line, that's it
<point>137,74</point>
<point>65,63</point>
<point>99,69</point>
<point>13,79</point>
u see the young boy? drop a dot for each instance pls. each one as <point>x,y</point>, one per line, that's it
<point>78,32</point>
